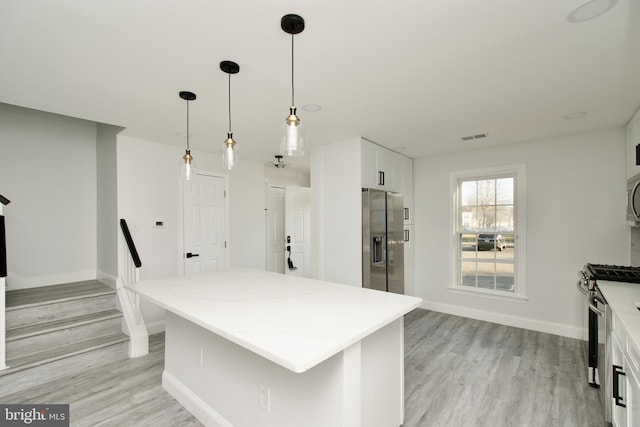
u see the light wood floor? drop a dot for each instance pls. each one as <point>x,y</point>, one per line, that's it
<point>464,372</point>
<point>459,372</point>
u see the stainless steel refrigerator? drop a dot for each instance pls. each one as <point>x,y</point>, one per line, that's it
<point>382,241</point>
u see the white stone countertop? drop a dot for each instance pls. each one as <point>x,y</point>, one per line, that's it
<point>292,321</point>
<point>621,297</point>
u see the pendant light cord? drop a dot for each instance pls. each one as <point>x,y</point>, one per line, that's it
<point>293,103</point>
<point>188,125</point>
<point>229,102</point>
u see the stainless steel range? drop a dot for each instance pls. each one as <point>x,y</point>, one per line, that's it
<point>598,319</point>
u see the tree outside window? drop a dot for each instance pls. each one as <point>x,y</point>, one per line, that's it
<point>486,233</point>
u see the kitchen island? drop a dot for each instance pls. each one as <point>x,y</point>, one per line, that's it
<point>254,348</point>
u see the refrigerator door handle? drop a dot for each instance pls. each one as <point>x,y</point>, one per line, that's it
<point>384,251</point>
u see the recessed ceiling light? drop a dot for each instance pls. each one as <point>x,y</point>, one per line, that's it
<point>575,115</point>
<point>311,108</point>
<point>590,9</point>
<point>476,136</point>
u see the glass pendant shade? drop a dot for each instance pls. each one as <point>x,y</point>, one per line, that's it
<point>292,140</point>
<point>187,169</point>
<point>229,153</point>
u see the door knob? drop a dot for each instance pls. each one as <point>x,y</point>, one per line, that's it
<point>190,255</point>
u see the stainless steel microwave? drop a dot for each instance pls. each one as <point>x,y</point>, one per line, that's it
<point>633,200</point>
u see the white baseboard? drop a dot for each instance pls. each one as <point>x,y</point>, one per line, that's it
<point>106,278</point>
<point>508,320</point>
<point>203,412</point>
<point>155,327</point>
<point>15,281</point>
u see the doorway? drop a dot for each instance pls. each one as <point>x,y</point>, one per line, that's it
<point>288,218</point>
<point>204,223</point>
<point>275,229</point>
<point>297,230</point>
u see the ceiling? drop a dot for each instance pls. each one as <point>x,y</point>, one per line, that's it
<point>412,75</point>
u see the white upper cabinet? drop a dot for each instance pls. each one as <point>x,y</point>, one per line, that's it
<point>387,170</point>
<point>369,165</point>
<point>378,167</point>
<point>633,139</point>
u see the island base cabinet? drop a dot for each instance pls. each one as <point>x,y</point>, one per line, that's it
<point>224,384</point>
<point>619,388</point>
<point>625,399</point>
<point>634,399</point>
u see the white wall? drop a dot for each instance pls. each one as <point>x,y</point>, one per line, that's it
<point>247,211</point>
<point>48,171</point>
<point>107,203</point>
<point>336,212</point>
<point>575,214</point>
<point>149,189</point>
<point>283,177</point>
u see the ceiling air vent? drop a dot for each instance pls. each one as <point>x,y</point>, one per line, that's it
<point>471,137</point>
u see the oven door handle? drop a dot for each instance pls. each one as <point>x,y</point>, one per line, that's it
<point>582,287</point>
<point>593,301</point>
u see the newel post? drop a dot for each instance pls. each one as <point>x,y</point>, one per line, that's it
<point>3,275</point>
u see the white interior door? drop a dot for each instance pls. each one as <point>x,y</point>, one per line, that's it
<point>204,224</point>
<point>275,229</point>
<point>297,219</point>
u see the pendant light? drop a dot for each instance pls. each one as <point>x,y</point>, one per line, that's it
<point>188,159</point>
<point>279,163</point>
<point>292,141</point>
<point>229,151</point>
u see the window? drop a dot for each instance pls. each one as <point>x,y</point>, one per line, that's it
<point>488,231</point>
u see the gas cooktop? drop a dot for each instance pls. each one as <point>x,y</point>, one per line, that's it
<point>615,273</point>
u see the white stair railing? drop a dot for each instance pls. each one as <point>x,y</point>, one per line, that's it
<point>129,273</point>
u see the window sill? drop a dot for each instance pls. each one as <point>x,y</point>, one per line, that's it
<point>488,293</point>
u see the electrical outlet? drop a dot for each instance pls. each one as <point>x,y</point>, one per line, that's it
<point>265,398</point>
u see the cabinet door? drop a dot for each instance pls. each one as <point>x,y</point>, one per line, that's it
<point>633,139</point>
<point>408,260</point>
<point>386,167</point>
<point>633,390</point>
<point>405,172</point>
<point>369,166</point>
<point>619,413</point>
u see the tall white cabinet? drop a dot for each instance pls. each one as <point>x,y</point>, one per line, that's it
<point>406,188</point>
<point>339,171</point>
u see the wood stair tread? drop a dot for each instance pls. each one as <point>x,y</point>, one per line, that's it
<point>60,324</point>
<point>43,295</point>
<point>57,353</point>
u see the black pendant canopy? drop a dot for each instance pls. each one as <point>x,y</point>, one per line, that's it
<point>292,24</point>
<point>187,96</point>
<point>229,67</point>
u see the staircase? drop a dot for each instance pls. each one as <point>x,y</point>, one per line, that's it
<point>50,323</point>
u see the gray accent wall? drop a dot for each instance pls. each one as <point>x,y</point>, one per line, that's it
<point>48,171</point>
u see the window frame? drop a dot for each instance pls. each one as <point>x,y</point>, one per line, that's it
<point>518,171</point>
